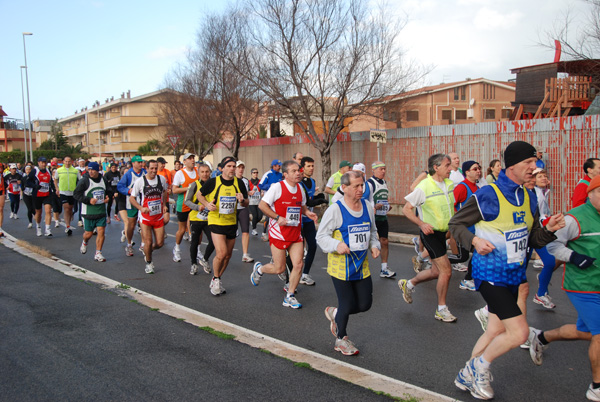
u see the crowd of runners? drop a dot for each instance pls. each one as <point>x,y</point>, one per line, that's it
<point>488,225</point>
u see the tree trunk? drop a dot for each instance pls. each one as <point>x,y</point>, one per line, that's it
<point>326,164</point>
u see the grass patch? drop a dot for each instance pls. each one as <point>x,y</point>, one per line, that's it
<point>266,351</point>
<point>123,286</point>
<point>154,309</point>
<point>303,365</point>
<point>406,397</point>
<point>220,334</point>
<point>35,249</point>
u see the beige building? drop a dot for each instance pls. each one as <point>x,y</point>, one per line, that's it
<point>464,102</point>
<point>12,137</point>
<point>118,127</point>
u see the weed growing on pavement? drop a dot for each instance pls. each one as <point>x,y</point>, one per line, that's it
<point>123,286</point>
<point>304,365</point>
<point>154,309</point>
<point>220,334</point>
<point>35,249</point>
<point>407,397</point>
<point>266,351</point>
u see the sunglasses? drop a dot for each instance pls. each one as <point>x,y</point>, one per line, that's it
<point>475,168</point>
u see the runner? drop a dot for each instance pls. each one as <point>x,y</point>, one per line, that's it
<point>379,189</point>
<point>42,195</point>
<point>199,222</point>
<point>334,181</point>
<point>82,170</point>
<point>66,179</point>
<point>243,214</point>
<point>151,191</point>
<point>506,219</point>
<point>435,202</point>
<point>455,173</point>
<point>92,191</point>
<point>254,198</point>
<point>220,195</point>
<point>13,183</point>
<point>591,167</point>
<point>183,178</point>
<point>129,213</point>
<point>347,231</point>
<point>28,189</point>
<point>112,178</point>
<point>166,173</point>
<point>2,197</point>
<point>272,176</point>
<point>579,244</point>
<point>284,203</point>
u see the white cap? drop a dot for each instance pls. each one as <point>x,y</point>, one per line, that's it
<point>239,163</point>
<point>360,167</point>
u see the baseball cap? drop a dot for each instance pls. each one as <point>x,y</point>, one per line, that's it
<point>137,158</point>
<point>12,166</point>
<point>240,163</point>
<point>275,162</point>
<point>94,166</point>
<point>42,159</point>
<point>188,155</point>
<point>360,167</point>
<point>344,164</point>
<point>161,160</point>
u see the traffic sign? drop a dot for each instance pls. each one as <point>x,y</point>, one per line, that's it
<point>174,140</point>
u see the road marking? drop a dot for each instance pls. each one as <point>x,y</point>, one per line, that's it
<point>336,368</point>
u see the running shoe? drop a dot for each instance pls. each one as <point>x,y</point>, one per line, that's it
<point>444,315</point>
<point>254,232</point>
<point>460,267</point>
<point>345,346</point>
<point>482,381</point>
<point>536,350</point>
<point>205,265</point>
<point>149,267</point>
<point>255,276</point>
<point>12,215</point>
<point>544,300</point>
<point>68,231</point>
<point>186,236</point>
<point>141,249</point>
<point>417,264</point>
<point>108,219</point>
<point>282,276</point>
<point>16,216</point>
<point>80,223</point>
<point>83,248</point>
<point>482,316</point>
<point>215,287</point>
<point>290,301</point>
<point>330,314</point>
<point>415,241</point>
<point>30,225</point>
<point>538,264</point>
<point>264,237</point>
<point>129,251</point>
<point>593,394</point>
<point>48,233</point>
<point>117,218</point>
<point>467,284</point>
<point>194,269</point>
<point>99,257</point>
<point>406,292</point>
<point>247,258</point>
<point>176,255</point>
<point>307,280</point>
<point>123,236</point>
<point>464,379</point>
<point>526,344</point>
<point>38,232</point>
<point>386,273</point>
<point>56,224</point>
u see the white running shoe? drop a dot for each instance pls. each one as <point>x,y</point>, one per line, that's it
<point>444,315</point>
<point>83,248</point>
<point>38,232</point>
<point>123,236</point>
<point>176,255</point>
<point>255,276</point>
<point>247,258</point>
<point>538,264</point>
<point>205,265</point>
<point>30,226</point>
<point>149,267</point>
<point>290,301</point>
<point>406,291</point>
<point>345,346</point>
<point>99,257</point>
<point>12,215</point>
<point>460,267</point>
<point>254,232</point>
<point>482,316</point>
<point>79,223</point>
<point>48,233</point>
<point>194,269</point>
<point>264,237</point>
<point>307,280</point>
<point>56,224</point>
<point>216,288</point>
<point>386,273</point>
<point>129,251</point>
<point>16,216</point>
<point>544,300</point>
<point>536,349</point>
<point>68,231</point>
<point>186,236</point>
<point>593,394</point>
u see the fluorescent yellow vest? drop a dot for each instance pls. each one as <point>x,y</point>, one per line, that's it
<point>438,207</point>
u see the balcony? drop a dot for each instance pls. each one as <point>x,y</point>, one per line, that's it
<point>130,121</point>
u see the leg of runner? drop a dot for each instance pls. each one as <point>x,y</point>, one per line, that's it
<point>147,240</point>
<point>48,218</point>
<point>309,233</point>
<point>244,221</point>
<point>100,242</point>
<point>224,248</point>
<point>196,239</point>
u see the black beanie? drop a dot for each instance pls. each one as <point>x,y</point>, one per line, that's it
<point>518,151</point>
<point>467,165</point>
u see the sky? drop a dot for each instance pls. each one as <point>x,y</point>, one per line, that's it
<point>87,50</point>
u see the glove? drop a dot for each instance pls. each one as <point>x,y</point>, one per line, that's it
<point>581,261</point>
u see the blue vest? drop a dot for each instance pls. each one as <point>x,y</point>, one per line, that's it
<point>310,193</point>
<point>460,204</point>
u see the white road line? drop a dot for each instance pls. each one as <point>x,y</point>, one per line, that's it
<point>345,371</point>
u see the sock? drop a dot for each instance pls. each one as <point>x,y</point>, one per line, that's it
<point>37,225</point>
<point>596,385</point>
<point>290,294</point>
<point>543,339</point>
<point>383,266</point>
<point>129,244</point>
<point>410,285</point>
<point>482,363</point>
<point>84,243</point>
<point>47,228</point>
<point>176,247</point>
<point>441,307</point>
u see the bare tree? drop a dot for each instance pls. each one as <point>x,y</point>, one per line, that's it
<point>320,62</point>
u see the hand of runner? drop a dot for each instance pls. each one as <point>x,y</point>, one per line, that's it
<point>281,221</point>
<point>211,206</point>
<point>375,252</point>
<point>145,210</point>
<point>312,215</point>
<point>482,246</point>
<point>426,228</point>
<point>556,222</point>
<point>93,201</point>
<point>240,197</point>
<point>106,199</point>
<point>343,248</point>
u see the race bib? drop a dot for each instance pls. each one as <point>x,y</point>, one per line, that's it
<point>28,191</point>
<point>516,245</point>
<point>44,187</point>
<point>255,198</point>
<point>227,205</point>
<point>384,209</point>
<point>203,215</point>
<point>114,181</point>
<point>155,207</point>
<point>99,196</point>
<point>16,187</point>
<point>359,236</point>
<point>292,216</point>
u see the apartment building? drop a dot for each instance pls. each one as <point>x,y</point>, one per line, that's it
<point>469,101</point>
<point>118,127</point>
<point>12,137</point>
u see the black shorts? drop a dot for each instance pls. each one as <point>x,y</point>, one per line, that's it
<point>243,216</point>
<point>383,228</point>
<point>38,202</point>
<point>67,199</point>
<point>435,243</point>
<point>183,216</point>
<point>121,202</point>
<point>501,300</point>
<point>228,231</point>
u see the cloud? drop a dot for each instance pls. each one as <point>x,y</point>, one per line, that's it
<point>167,53</point>
<point>487,19</point>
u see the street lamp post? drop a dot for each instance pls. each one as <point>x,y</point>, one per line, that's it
<point>28,103</point>
<point>24,117</point>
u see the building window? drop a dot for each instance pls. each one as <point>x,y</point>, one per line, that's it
<point>460,93</point>
<point>446,114</point>
<point>412,115</point>
<point>489,92</point>
<point>461,115</point>
<point>506,113</point>
<point>489,114</point>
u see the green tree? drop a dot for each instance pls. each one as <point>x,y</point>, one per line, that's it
<point>151,147</point>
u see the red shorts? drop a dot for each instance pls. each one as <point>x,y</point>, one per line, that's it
<point>283,245</point>
<point>154,224</point>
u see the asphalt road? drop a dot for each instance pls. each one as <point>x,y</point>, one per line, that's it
<point>395,339</point>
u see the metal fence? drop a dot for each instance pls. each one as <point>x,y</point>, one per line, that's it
<point>566,142</point>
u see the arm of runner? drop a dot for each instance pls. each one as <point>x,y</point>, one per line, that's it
<point>331,220</point>
<point>189,196</point>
